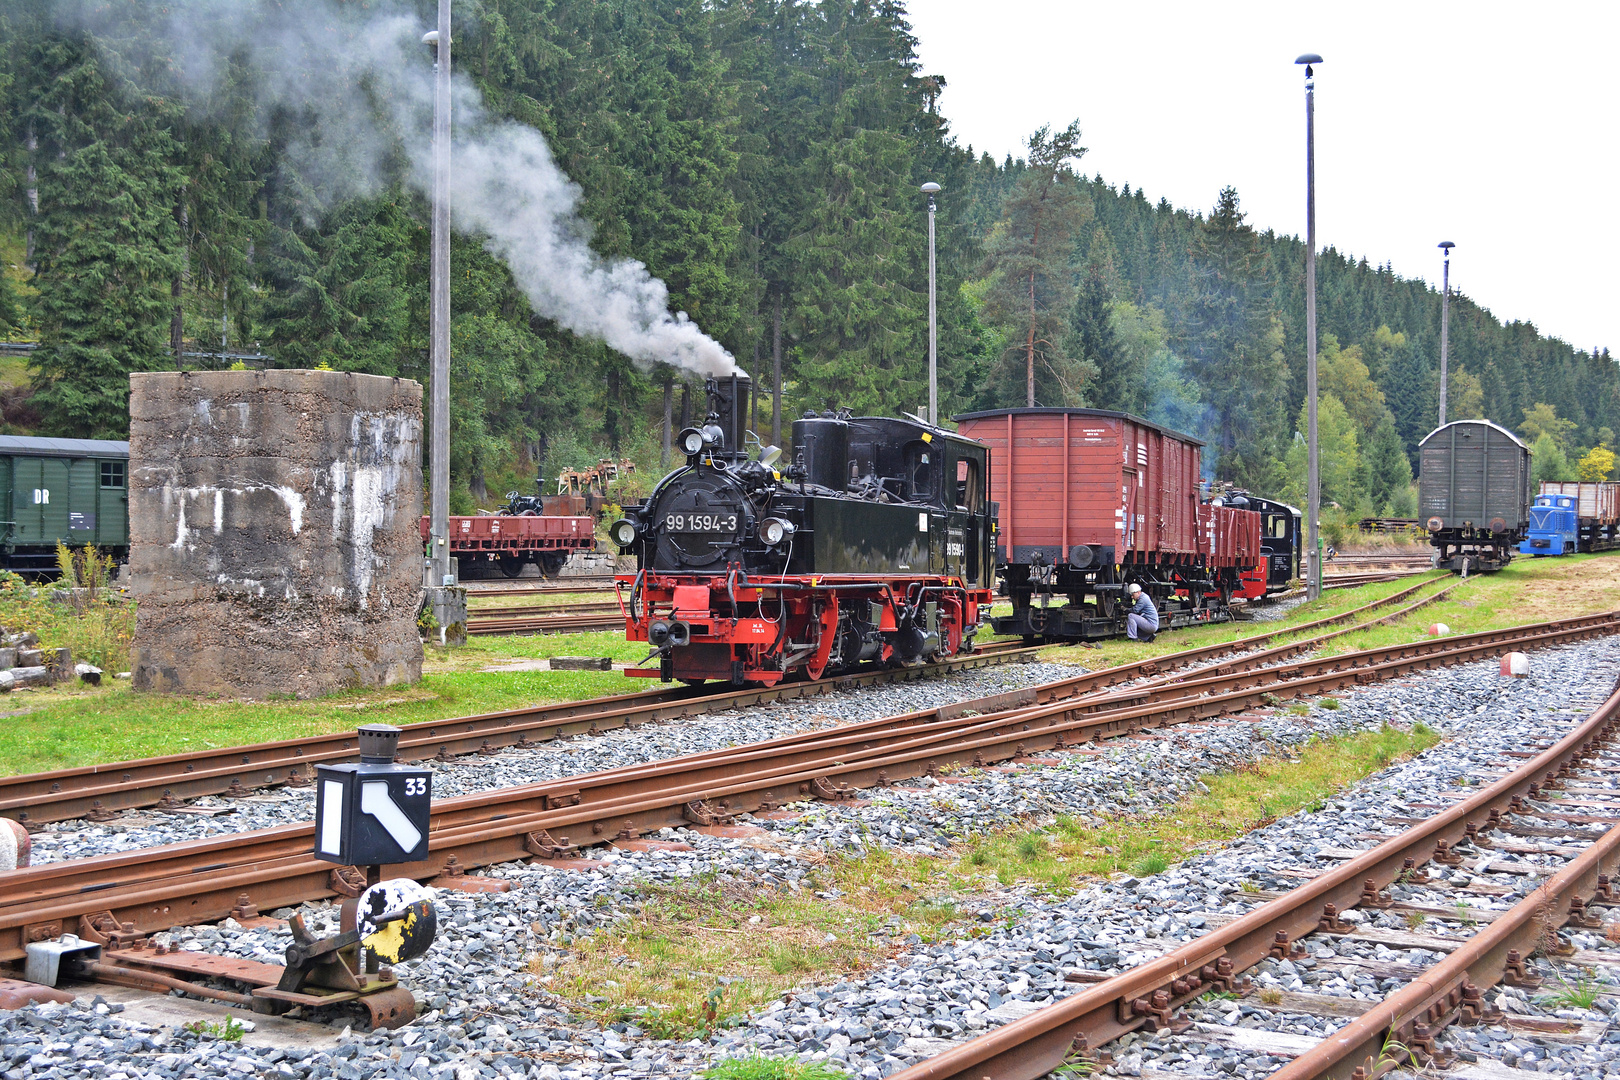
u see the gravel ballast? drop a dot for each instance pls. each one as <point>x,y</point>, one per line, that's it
<point>486,1013</point>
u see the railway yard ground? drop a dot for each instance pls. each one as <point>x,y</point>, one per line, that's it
<point>869,934</point>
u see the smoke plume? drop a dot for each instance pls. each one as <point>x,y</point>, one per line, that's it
<point>358,85</point>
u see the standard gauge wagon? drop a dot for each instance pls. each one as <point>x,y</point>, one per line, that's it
<point>68,491</point>
<point>1474,494</point>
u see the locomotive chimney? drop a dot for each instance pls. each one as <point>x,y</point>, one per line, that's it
<point>728,400</point>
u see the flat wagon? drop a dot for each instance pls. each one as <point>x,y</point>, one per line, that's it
<point>1091,502</point>
<point>509,541</point>
<point>1474,494</point>
<point>69,491</point>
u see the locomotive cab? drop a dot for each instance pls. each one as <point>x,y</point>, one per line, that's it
<point>872,545</point>
<point>1554,526</point>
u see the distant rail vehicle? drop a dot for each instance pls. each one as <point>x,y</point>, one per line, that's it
<point>875,545</point>
<point>1474,494</point>
<point>1569,516</point>
<point>68,491</point>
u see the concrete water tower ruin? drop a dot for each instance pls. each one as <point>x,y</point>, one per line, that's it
<point>274,538</point>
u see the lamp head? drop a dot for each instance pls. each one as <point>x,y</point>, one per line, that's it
<point>1308,59</point>
<point>1447,245</point>
<point>930,188</point>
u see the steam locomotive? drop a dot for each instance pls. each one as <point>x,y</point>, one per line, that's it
<point>875,544</point>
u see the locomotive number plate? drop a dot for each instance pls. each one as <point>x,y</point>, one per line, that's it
<point>711,524</point>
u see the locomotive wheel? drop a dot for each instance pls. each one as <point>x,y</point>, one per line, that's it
<point>511,565</point>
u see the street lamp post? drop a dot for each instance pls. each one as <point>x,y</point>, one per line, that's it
<point>439,311</point>
<point>1313,481</point>
<point>931,189</point>
<point>1445,323</point>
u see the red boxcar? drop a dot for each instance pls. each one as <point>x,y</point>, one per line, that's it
<point>1091,502</point>
<point>510,540</point>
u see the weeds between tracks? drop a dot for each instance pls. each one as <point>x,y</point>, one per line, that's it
<point>661,967</point>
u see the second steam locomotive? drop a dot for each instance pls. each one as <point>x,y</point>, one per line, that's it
<point>875,544</point>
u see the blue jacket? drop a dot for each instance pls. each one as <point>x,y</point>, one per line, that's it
<point>1144,607</point>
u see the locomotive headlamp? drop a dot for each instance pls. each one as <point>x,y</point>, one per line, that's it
<point>774,530</point>
<point>691,442</point>
<point>770,455</point>
<point>623,532</point>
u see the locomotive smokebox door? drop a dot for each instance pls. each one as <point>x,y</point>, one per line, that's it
<point>373,813</point>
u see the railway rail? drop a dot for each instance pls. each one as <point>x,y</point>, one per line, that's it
<point>569,619</point>
<point>1402,1029</point>
<point>119,897</point>
<point>96,792</point>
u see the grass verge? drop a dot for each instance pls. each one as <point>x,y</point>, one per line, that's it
<point>1236,803</point>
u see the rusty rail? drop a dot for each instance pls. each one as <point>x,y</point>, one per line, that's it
<point>155,888</point>
<point>1040,1042</point>
<point>99,790</point>
<point>96,791</point>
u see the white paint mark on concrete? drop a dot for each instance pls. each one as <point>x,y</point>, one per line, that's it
<point>340,478</point>
<point>219,512</point>
<point>180,530</point>
<point>295,506</point>
<point>370,485</point>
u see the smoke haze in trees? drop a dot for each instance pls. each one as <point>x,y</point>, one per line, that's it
<point>359,86</point>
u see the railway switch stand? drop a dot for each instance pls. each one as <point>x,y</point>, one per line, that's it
<point>373,813</point>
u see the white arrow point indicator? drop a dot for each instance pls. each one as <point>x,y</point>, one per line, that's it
<point>375,800</point>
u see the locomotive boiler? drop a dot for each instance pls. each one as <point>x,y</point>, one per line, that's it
<point>874,544</point>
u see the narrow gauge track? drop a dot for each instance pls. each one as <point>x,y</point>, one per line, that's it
<point>98,791</point>
<point>1400,1030</point>
<point>578,618</point>
<point>198,881</point>
<point>594,583</point>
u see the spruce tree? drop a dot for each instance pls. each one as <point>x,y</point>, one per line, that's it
<point>108,247</point>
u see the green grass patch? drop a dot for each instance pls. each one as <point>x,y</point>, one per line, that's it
<point>657,969</point>
<point>1237,803</point>
<point>760,1067</point>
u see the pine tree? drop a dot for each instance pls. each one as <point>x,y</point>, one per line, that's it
<point>1389,471</point>
<point>1027,258</point>
<point>1092,328</point>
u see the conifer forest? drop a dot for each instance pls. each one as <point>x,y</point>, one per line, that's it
<point>762,159</point>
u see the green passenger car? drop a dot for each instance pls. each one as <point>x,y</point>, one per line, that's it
<point>73,491</point>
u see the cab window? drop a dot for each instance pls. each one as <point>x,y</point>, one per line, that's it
<point>919,477</point>
<point>969,486</point>
<point>1279,527</point>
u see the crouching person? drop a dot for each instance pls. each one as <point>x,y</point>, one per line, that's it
<point>1142,624</point>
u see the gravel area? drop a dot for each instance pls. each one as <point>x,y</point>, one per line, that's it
<point>210,817</point>
<point>489,1012</point>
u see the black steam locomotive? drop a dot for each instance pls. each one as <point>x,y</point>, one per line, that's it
<point>875,544</point>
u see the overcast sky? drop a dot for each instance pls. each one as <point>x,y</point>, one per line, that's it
<point>1491,125</point>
